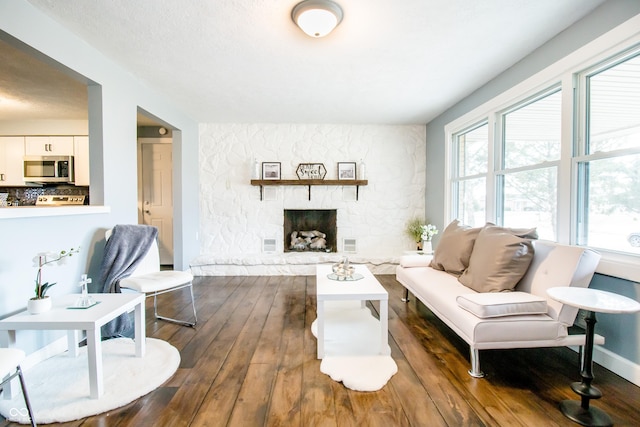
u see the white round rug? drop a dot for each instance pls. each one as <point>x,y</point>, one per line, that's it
<point>59,386</point>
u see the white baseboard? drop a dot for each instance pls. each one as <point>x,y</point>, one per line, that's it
<point>56,347</point>
<point>615,363</point>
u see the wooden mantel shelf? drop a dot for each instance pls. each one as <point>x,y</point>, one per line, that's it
<point>310,182</point>
<point>343,182</point>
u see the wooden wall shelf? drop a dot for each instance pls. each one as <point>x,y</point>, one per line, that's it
<point>309,183</point>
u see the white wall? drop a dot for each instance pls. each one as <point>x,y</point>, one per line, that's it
<point>112,130</point>
<point>234,220</point>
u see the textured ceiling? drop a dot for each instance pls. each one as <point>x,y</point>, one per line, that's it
<point>389,61</point>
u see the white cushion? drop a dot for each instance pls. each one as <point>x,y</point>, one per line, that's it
<point>158,281</point>
<point>438,290</point>
<point>408,261</point>
<point>559,265</point>
<point>499,304</point>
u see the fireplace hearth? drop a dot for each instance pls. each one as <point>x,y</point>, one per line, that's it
<point>310,230</point>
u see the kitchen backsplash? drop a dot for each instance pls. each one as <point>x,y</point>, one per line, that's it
<point>27,196</point>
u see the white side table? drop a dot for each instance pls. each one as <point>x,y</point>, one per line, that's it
<point>593,301</point>
<point>60,317</point>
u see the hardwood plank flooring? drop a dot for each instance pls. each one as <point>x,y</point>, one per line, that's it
<point>251,361</point>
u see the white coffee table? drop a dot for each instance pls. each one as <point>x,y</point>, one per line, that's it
<point>366,289</point>
<point>593,301</point>
<point>60,317</point>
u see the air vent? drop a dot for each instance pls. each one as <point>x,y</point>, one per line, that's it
<point>349,245</point>
<point>269,245</point>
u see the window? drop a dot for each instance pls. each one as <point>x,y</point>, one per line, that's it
<point>608,158</point>
<point>530,152</point>
<point>559,151</point>
<point>470,174</point>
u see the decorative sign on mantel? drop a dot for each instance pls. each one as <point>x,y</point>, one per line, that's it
<point>311,171</point>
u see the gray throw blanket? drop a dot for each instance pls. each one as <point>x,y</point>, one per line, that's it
<point>124,250</point>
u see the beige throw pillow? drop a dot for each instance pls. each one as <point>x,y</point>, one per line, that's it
<point>500,257</point>
<point>454,248</point>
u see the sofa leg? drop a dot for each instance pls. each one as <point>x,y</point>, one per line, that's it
<point>406,295</point>
<point>475,371</point>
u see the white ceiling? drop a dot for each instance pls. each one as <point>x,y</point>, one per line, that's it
<point>388,62</point>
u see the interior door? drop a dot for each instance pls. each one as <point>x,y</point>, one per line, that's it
<point>157,197</point>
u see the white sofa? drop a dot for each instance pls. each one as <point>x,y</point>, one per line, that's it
<point>525,318</point>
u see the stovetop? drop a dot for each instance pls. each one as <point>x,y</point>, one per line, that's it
<point>56,200</point>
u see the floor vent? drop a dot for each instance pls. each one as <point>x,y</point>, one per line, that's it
<point>269,245</point>
<point>349,245</point>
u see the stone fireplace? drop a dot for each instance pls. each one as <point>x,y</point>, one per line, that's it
<point>241,234</point>
<point>310,230</point>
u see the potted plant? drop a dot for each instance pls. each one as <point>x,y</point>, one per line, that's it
<point>41,302</point>
<point>414,230</point>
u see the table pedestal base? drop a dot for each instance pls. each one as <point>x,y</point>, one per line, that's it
<point>580,411</point>
<point>593,301</point>
<point>591,416</point>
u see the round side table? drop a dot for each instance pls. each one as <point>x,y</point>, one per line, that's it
<point>591,300</point>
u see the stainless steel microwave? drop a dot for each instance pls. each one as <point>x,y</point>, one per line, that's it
<point>48,169</point>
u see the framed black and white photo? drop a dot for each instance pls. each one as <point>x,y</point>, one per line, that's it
<point>270,170</point>
<point>347,170</point>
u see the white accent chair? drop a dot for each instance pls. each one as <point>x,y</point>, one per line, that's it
<point>10,359</point>
<point>147,278</point>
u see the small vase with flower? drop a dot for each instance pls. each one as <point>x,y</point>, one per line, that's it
<point>41,302</point>
<point>428,231</point>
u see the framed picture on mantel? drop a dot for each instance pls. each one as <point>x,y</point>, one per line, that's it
<point>347,170</point>
<point>271,170</point>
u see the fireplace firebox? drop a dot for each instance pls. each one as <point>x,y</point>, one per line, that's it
<point>310,230</point>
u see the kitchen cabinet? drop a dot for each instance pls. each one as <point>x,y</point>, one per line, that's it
<point>11,153</point>
<point>48,145</point>
<point>81,160</point>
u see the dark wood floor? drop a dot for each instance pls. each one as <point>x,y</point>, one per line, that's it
<point>251,362</point>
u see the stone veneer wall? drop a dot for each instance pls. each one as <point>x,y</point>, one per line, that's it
<point>234,221</point>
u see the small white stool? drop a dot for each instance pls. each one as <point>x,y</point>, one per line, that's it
<point>10,359</point>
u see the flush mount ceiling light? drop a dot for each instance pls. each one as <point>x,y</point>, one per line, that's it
<point>317,18</point>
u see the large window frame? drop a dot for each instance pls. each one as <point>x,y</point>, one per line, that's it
<point>568,76</point>
<point>505,171</point>
<point>589,154</point>
<point>461,177</point>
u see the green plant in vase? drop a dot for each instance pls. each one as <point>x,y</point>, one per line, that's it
<point>414,230</point>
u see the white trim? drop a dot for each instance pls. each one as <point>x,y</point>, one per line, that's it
<point>56,347</point>
<point>448,156</point>
<point>621,266</point>
<point>617,364</point>
<point>565,188</point>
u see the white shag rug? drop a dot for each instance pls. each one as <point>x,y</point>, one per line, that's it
<point>352,343</point>
<point>59,386</point>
